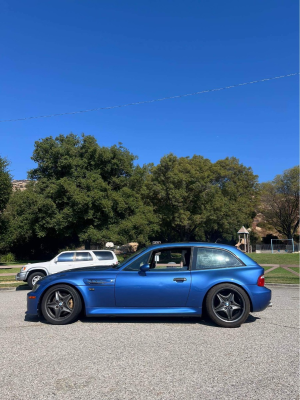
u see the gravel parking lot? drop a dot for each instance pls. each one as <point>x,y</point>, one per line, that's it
<point>150,358</point>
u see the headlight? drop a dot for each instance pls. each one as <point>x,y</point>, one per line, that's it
<point>35,287</point>
<point>23,268</point>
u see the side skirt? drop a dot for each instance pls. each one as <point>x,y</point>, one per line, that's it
<point>120,311</point>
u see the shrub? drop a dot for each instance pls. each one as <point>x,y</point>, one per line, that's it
<point>7,258</point>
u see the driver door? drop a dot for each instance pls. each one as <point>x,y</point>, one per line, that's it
<point>166,284</point>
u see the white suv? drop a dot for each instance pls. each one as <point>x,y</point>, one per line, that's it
<point>31,273</point>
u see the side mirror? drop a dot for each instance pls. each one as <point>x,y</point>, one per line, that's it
<point>145,268</point>
<point>55,260</point>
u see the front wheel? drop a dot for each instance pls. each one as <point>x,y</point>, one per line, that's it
<point>228,305</point>
<point>61,304</point>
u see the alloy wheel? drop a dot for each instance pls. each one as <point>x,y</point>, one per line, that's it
<point>59,304</point>
<point>228,305</point>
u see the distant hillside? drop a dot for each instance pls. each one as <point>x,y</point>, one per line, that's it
<point>20,184</point>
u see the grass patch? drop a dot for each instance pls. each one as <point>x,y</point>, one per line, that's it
<point>7,278</point>
<point>21,262</point>
<point>280,275</point>
<point>3,264</point>
<point>296,269</point>
<point>285,259</point>
<point>9,270</point>
<point>17,284</point>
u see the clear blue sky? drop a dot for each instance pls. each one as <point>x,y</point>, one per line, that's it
<point>60,56</point>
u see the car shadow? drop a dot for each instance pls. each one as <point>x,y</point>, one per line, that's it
<point>141,320</point>
<point>23,287</point>
<point>158,320</point>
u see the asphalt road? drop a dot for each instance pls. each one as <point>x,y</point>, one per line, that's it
<point>150,358</point>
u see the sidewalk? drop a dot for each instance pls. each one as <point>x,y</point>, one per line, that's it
<point>11,266</point>
<point>286,267</point>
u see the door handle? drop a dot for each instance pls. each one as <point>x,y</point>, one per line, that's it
<point>179,279</point>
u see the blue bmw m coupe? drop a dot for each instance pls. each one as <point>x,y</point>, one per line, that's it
<point>178,279</point>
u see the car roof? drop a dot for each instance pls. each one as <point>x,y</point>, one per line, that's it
<point>192,244</point>
<point>84,251</point>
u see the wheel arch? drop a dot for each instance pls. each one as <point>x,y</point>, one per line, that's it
<point>32,271</point>
<point>230,283</point>
<point>62,283</point>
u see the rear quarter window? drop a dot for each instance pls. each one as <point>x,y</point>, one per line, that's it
<point>207,258</point>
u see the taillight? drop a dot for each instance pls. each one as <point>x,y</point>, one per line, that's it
<point>261,281</point>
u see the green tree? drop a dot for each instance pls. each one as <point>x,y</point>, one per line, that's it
<point>5,183</point>
<point>80,193</point>
<point>280,202</point>
<point>200,200</point>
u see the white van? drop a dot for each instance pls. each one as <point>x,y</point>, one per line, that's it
<point>31,273</point>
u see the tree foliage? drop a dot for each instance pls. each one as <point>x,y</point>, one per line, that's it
<point>5,183</point>
<point>280,202</point>
<point>200,200</point>
<point>80,193</point>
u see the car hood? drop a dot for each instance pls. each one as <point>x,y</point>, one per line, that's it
<point>79,272</point>
<point>39,265</point>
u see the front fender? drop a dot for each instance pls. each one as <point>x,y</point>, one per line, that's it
<point>35,298</point>
<point>31,270</point>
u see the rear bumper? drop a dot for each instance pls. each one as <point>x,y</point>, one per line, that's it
<point>261,298</point>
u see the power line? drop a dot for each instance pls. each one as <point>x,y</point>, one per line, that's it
<point>151,101</point>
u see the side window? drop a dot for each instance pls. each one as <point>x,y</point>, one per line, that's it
<point>104,255</point>
<point>83,256</point>
<point>66,257</point>
<point>138,263</point>
<point>171,259</point>
<point>215,258</point>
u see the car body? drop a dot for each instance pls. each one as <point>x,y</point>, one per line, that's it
<point>179,279</point>
<point>31,273</point>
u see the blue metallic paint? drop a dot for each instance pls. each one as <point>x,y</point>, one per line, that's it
<point>117,292</point>
<point>152,289</point>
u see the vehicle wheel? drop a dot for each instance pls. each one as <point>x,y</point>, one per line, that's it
<point>228,305</point>
<point>34,277</point>
<point>61,304</point>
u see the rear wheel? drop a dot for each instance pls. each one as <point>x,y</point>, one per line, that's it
<point>228,305</point>
<point>61,304</point>
<point>34,277</point>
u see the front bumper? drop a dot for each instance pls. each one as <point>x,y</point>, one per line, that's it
<point>32,304</point>
<point>21,276</point>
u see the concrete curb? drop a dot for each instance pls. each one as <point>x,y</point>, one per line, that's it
<point>289,285</point>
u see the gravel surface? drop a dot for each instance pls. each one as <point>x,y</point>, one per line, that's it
<point>150,358</point>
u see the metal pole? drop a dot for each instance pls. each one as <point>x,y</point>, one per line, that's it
<point>272,245</point>
<point>293,245</point>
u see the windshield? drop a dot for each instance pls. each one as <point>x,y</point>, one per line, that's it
<point>130,258</point>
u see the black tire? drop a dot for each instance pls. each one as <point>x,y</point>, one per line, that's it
<point>61,304</point>
<point>228,305</point>
<point>34,277</point>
